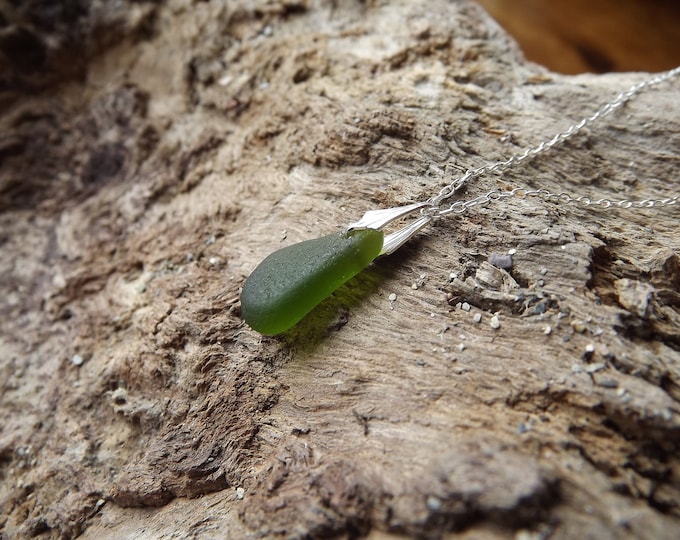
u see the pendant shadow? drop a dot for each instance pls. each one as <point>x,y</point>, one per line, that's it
<point>333,313</point>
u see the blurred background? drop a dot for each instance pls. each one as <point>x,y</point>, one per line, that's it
<point>575,36</point>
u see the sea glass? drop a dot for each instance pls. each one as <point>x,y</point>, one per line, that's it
<point>290,282</point>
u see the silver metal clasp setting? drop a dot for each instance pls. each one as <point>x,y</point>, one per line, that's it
<point>377,219</point>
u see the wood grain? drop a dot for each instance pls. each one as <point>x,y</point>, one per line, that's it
<point>136,200</point>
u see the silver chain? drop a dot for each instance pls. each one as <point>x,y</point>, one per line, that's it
<point>435,208</point>
<point>459,207</point>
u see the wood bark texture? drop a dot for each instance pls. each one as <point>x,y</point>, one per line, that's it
<point>151,154</point>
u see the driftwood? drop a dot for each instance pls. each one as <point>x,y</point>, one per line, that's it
<point>154,157</point>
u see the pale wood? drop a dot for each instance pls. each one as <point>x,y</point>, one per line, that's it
<point>238,130</point>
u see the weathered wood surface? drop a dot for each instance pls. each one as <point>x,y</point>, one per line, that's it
<point>195,138</point>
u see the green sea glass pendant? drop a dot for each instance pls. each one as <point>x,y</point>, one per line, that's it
<point>290,282</point>
<point>293,280</point>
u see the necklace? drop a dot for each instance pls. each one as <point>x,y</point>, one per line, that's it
<point>290,282</point>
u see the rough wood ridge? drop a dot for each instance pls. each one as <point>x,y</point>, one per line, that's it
<point>151,154</point>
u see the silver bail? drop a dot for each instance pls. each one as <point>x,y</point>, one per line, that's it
<point>377,219</point>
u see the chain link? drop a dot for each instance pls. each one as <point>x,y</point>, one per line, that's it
<point>436,209</point>
<point>460,207</point>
